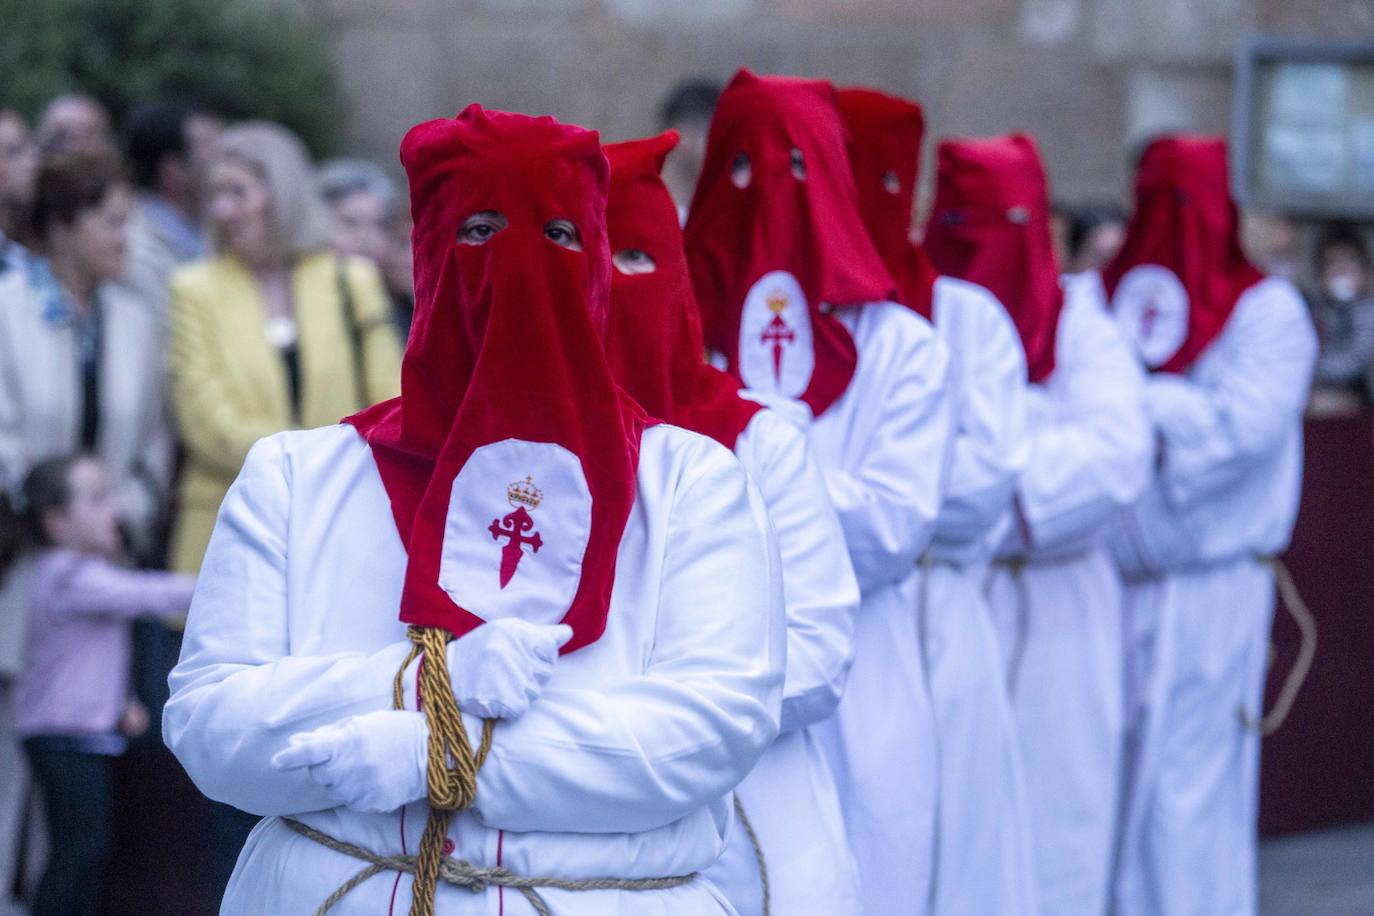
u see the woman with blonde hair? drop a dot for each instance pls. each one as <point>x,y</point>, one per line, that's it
<point>273,331</point>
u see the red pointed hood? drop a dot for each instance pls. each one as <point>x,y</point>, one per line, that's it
<point>654,342</point>
<point>774,239</point>
<point>510,457</point>
<point>991,226</point>
<point>885,136</point>
<point>1181,269</point>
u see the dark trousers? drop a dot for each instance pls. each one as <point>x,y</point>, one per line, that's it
<point>75,787</point>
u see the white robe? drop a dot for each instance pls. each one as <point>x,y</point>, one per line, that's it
<point>884,446</point>
<point>1059,616</point>
<point>790,797</point>
<point>983,858</point>
<point>622,768</point>
<point>1200,602</point>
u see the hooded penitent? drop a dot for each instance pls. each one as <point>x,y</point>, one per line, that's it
<point>1181,270</point>
<point>510,457</point>
<point>991,226</point>
<point>885,134</point>
<point>775,242</point>
<point>654,341</point>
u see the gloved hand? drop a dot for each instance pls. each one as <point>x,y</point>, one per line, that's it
<point>501,667</point>
<point>373,762</point>
<point>1178,407</point>
<point>797,413</point>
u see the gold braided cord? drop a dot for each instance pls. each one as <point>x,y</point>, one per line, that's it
<point>458,873</point>
<point>758,855</point>
<point>1306,621</point>
<point>452,763</point>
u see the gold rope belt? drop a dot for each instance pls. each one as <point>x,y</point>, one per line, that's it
<point>758,855</point>
<point>1306,621</point>
<point>452,768</point>
<point>475,878</point>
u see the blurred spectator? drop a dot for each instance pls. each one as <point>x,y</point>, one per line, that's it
<point>1060,215</point>
<point>169,143</point>
<point>74,123</point>
<point>688,110</point>
<point>81,361</point>
<point>18,168</point>
<point>399,271</point>
<point>71,701</point>
<point>1342,304</point>
<point>1274,244</point>
<point>1093,236</point>
<point>18,162</point>
<point>273,332</point>
<point>363,200</point>
<point>365,203</point>
<point>264,331</point>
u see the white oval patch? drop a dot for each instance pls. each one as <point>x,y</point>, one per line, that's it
<point>775,352</point>
<point>1151,307</point>
<point>519,518</point>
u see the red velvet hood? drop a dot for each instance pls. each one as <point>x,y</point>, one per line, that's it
<point>510,457</point>
<point>654,343</point>
<point>1181,270</point>
<point>885,134</point>
<point>991,226</point>
<point>771,253</point>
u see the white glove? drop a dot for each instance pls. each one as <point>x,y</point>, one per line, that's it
<point>501,667</point>
<point>797,413</point>
<point>374,762</point>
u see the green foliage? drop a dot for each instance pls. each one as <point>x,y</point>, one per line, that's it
<point>247,58</point>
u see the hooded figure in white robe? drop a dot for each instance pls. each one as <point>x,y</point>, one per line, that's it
<point>1054,592</point>
<point>654,345</point>
<point>612,584</point>
<point>983,858</point>
<point>797,304</point>
<point>1231,354</point>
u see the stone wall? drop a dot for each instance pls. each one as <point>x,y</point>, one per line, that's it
<point>1088,77</point>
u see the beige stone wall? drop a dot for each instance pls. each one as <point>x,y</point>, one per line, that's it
<point>1088,77</point>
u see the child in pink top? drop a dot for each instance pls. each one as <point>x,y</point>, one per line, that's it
<point>71,699</point>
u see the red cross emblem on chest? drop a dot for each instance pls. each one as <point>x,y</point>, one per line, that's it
<point>1149,316</point>
<point>514,525</point>
<point>777,332</point>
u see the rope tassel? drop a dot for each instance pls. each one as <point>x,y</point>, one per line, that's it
<point>453,765</point>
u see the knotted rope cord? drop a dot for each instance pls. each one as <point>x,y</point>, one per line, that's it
<point>477,879</point>
<point>452,770</point>
<point>1307,650</point>
<point>758,854</point>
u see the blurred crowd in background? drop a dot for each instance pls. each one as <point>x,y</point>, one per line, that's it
<point>175,287</point>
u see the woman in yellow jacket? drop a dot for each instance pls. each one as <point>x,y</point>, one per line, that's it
<point>274,331</point>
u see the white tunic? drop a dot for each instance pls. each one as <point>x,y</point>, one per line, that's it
<point>1059,616</point>
<point>884,446</point>
<point>790,797</point>
<point>623,766</point>
<point>1200,602</point>
<point>983,852</point>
